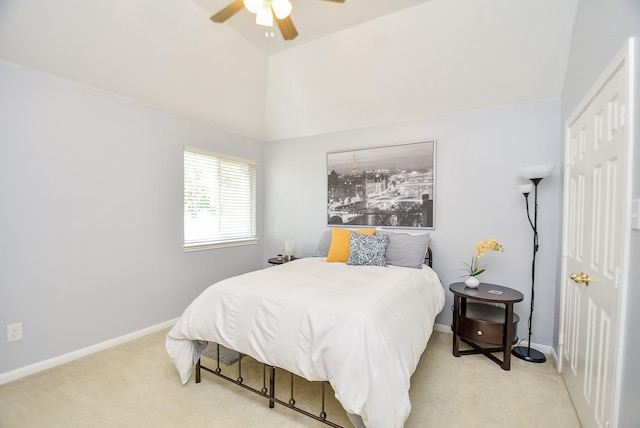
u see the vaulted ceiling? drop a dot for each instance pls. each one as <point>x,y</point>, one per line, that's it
<point>355,64</point>
<point>313,19</point>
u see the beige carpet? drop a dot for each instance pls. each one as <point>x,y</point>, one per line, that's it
<point>135,385</point>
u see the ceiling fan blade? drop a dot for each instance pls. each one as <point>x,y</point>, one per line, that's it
<point>287,28</point>
<point>228,11</point>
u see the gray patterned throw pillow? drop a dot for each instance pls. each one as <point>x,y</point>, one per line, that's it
<point>367,250</point>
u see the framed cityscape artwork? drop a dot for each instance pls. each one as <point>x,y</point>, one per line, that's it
<point>391,186</point>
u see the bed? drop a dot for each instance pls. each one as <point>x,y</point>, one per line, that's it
<point>361,327</point>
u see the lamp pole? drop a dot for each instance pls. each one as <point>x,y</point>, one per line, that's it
<point>535,174</point>
<point>522,352</point>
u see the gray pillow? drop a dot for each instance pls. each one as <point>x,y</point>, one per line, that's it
<point>322,249</point>
<point>405,249</point>
<point>367,250</point>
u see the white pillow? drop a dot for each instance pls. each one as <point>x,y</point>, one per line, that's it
<point>322,249</point>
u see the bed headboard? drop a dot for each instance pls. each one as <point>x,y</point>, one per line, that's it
<point>428,259</point>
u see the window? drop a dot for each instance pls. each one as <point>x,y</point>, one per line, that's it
<point>219,200</point>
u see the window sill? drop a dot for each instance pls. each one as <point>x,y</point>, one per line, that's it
<point>212,245</point>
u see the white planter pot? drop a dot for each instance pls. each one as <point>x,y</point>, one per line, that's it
<point>472,282</point>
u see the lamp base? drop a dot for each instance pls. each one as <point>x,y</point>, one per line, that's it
<point>528,354</point>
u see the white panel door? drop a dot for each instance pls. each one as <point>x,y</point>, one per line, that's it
<point>595,221</point>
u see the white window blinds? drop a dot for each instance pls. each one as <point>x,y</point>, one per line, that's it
<point>219,200</point>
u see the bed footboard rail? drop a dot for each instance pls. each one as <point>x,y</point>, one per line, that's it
<point>268,393</point>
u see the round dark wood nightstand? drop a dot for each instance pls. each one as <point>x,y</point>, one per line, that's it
<point>274,260</point>
<point>482,325</point>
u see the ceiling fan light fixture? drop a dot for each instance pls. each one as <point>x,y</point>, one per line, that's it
<point>281,8</point>
<point>266,11</point>
<point>264,15</point>
<point>253,6</point>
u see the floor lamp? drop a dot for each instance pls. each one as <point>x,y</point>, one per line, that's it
<point>535,174</point>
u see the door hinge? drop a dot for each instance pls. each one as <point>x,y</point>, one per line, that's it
<point>617,279</point>
<point>623,116</point>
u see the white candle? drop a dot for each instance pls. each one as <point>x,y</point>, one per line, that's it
<point>288,248</point>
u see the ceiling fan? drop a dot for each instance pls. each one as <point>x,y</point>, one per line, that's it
<point>266,12</point>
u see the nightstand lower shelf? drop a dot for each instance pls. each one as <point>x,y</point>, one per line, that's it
<point>484,324</point>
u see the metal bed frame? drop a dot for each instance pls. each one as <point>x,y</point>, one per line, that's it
<point>269,393</point>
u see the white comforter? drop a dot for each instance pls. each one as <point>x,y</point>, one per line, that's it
<point>362,328</point>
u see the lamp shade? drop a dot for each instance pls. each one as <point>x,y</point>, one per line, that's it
<point>525,188</point>
<point>264,15</point>
<point>253,6</point>
<point>281,8</point>
<point>537,171</point>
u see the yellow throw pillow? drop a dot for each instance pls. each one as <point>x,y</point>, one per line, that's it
<point>340,243</point>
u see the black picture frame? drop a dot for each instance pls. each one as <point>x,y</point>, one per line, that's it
<point>390,186</point>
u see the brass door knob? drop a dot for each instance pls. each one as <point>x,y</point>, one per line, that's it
<point>580,278</point>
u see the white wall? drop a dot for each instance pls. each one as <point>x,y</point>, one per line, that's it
<point>466,73</point>
<point>82,269</point>
<point>165,53</point>
<point>90,248</point>
<point>91,219</point>
<point>438,57</point>
<point>478,157</point>
<point>601,30</point>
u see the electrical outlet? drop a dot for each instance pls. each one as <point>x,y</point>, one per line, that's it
<point>14,332</point>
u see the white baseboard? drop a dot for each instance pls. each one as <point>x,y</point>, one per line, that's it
<point>75,355</point>
<point>443,328</point>
<point>545,349</point>
<point>554,356</point>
